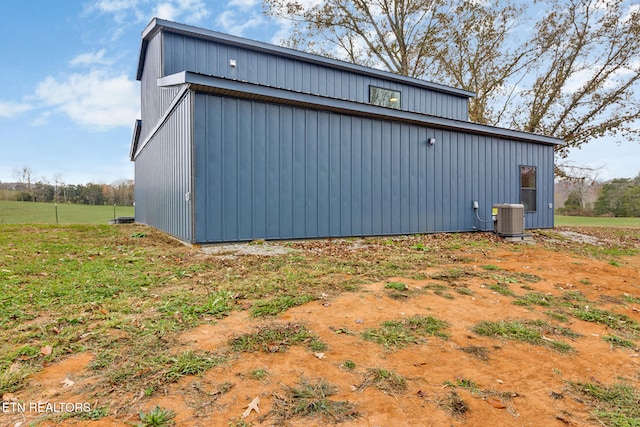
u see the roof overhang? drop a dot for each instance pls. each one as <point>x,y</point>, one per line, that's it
<point>245,90</point>
<point>157,25</point>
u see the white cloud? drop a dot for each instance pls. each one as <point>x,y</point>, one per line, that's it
<point>92,58</point>
<point>114,6</point>
<point>125,11</point>
<point>120,9</point>
<point>186,10</point>
<point>243,4</point>
<point>193,10</point>
<point>586,73</point>
<point>283,32</point>
<point>42,119</point>
<point>97,100</point>
<point>578,79</point>
<point>235,25</point>
<point>10,110</point>
<point>166,11</point>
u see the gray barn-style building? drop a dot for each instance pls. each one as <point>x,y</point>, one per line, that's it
<point>242,140</point>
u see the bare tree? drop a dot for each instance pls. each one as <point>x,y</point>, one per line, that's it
<point>586,84</point>
<point>583,182</point>
<point>564,68</point>
<point>122,192</point>
<point>398,36</point>
<point>23,177</point>
<point>58,181</point>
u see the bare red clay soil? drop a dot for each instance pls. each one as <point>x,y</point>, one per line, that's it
<point>519,384</point>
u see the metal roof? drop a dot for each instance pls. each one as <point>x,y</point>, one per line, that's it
<point>157,25</point>
<point>235,88</point>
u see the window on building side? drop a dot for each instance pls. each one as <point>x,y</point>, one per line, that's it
<point>528,187</point>
<point>384,97</point>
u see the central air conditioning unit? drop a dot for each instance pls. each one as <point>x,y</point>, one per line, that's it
<point>508,219</point>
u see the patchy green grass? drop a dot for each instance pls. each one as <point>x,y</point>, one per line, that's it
<point>149,367</point>
<point>534,298</point>
<point>276,338</point>
<point>73,285</point>
<point>95,414</point>
<point>557,316</point>
<point>397,286</point>
<point>311,400</point>
<point>12,379</point>
<point>399,333</point>
<point>464,383</point>
<point>279,304</point>
<point>572,299</point>
<point>502,289</point>
<point>399,290</point>
<point>127,293</point>
<point>463,290</point>
<point>157,417</point>
<point>616,405</point>
<point>616,341</point>
<point>527,331</point>
<point>191,307</point>
<point>259,374</point>
<point>621,323</point>
<point>384,380</point>
<point>453,274</point>
<point>348,364</point>
<point>443,290</point>
<point>190,363</point>
<point>631,299</point>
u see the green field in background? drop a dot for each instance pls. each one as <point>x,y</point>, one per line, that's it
<point>596,221</point>
<point>45,213</point>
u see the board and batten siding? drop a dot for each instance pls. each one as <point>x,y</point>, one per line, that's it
<point>183,52</point>
<point>156,99</point>
<point>163,175</point>
<point>267,171</point>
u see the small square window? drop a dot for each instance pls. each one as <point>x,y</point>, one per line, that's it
<point>384,97</point>
<point>528,187</point>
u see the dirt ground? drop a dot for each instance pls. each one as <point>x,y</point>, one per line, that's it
<point>514,383</point>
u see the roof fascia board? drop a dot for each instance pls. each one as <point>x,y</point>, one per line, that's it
<point>147,34</point>
<point>137,127</point>
<point>240,89</point>
<point>141,57</point>
<point>161,24</point>
<point>173,79</point>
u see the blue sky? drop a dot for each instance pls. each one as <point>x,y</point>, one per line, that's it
<point>70,97</point>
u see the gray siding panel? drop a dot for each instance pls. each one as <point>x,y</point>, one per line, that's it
<point>267,171</point>
<point>155,100</point>
<point>259,170</point>
<point>163,176</point>
<point>186,53</point>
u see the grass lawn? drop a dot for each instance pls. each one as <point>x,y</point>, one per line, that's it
<point>597,222</point>
<point>423,322</point>
<point>45,213</point>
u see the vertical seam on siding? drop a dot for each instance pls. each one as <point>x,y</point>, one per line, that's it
<point>192,164</point>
